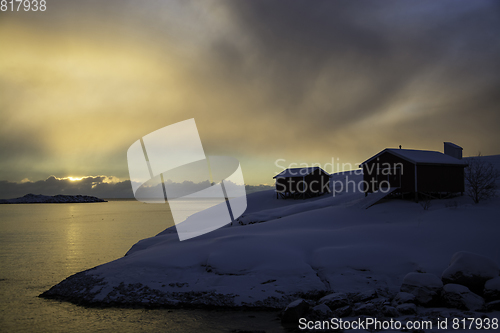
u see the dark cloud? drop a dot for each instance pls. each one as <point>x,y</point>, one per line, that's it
<point>264,79</point>
<point>378,48</point>
<point>329,65</point>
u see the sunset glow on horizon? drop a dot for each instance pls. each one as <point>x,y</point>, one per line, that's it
<point>82,81</point>
<point>74,179</point>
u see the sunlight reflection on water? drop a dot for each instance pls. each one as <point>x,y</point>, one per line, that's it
<point>42,244</point>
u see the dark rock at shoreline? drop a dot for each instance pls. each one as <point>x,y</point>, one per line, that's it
<point>470,270</point>
<point>407,309</point>
<point>424,286</point>
<point>38,198</point>
<point>492,289</point>
<point>402,298</point>
<point>390,311</point>
<point>293,312</point>
<point>460,297</point>
<point>493,306</point>
<point>335,300</point>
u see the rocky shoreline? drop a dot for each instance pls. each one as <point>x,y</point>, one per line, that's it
<point>83,288</point>
<point>421,296</point>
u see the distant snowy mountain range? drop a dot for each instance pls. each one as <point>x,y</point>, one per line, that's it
<point>38,198</point>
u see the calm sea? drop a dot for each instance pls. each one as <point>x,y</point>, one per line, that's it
<point>42,244</point>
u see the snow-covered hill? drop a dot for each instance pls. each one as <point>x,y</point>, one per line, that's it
<point>282,249</point>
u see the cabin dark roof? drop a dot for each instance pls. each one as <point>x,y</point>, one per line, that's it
<point>297,172</point>
<point>451,144</point>
<point>420,157</point>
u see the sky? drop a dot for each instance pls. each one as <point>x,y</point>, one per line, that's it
<point>268,82</point>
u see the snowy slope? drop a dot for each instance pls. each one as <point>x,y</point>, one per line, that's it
<point>338,243</point>
<point>300,247</point>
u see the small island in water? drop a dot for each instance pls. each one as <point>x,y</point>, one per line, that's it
<point>39,198</point>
